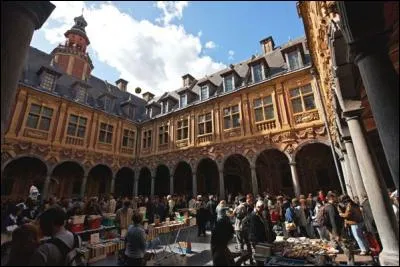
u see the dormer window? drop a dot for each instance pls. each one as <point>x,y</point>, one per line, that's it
<point>204,92</point>
<point>47,82</point>
<point>294,60</point>
<point>81,94</point>
<point>107,104</point>
<point>183,100</point>
<point>131,111</point>
<point>228,83</point>
<point>257,70</point>
<point>164,107</point>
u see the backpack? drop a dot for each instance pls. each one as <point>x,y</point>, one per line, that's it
<point>245,223</point>
<point>72,257</point>
<point>322,218</point>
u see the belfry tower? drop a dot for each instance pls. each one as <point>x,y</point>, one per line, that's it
<point>72,56</point>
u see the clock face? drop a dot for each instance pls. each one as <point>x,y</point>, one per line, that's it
<point>138,90</point>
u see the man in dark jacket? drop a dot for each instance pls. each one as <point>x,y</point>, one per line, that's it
<point>211,206</point>
<point>334,222</point>
<point>260,228</point>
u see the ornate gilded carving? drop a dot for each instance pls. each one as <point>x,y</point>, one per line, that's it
<point>232,133</point>
<point>5,156</point>
<point>35,134</point>
<point>306,117</point>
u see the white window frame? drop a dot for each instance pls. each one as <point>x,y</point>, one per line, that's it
<point>233,82</point>
<point>262,72</point>
<point>207,90</point>
<point>48,79</point>
<point>180,100</point>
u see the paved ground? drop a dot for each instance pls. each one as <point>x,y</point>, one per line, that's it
<point>201,255</point>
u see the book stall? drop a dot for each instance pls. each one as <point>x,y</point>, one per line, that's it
<point>296,252</point>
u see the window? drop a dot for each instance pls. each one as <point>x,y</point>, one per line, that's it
<point>302,99</point>
<point>39,117</point>
<point>183,100</point>
<point>228,83</point>
<point>204,92</point>
<point>231,117</point>
<point>47,81</point>
<point>81,94</point>
<point>107,104</point>
<point>263,108</point>
<point>76,126</point>
<point>257,73</point>
<point>182,130</point>
<point>128,140</point>
<point>147,139</point>
<point>106,132</point>
<point>131,112</point>
<point>163,135</point>
<point>294,60</point>
<point>205,124</point>
<point>164,107</point>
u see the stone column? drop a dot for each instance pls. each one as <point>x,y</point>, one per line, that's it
<point>346,177</point>
<point>355,169</point>
<point>171,185</point>
<point>349,173</point>
<point>112,187</point>
<point>221,183</point>
<point>368,46</point>
<point>83,187</point>
<point>18,22</point>
<point>135,183</point>
<point>377,194</point>
<point>254,181</point>
<point>295,178</point>
<point>152,185</point>
<point>46,187</point>
<point>194,184</point>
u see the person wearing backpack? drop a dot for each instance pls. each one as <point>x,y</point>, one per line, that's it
<point>63,247</point>
<point>241,226</point>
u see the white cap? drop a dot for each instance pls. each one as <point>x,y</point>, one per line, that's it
<point>199,196</point>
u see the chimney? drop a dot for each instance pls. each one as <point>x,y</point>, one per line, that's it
<point>187,80</point>
<point>121,83</point>
<point>148,96</point>
<point>267,44</point>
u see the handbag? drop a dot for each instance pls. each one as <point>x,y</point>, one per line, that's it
<point>290,226</point>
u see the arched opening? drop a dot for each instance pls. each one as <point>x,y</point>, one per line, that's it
<point>20,174</point>
<point>99,181</point>
<point>124,180</point>
<point>316,169</point>
<point>207,177</point>
<point>144,184</point>
<point>273,173</point>
<point>69,175</point>
<point>237,175</point>
<point>161,182</point>
<point>183,178</point>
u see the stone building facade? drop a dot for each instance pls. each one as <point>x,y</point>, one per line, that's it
<point>255,126</point>
<point>355,51</point>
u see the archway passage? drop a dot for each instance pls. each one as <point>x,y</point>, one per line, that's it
<point>124,182</point>
<point>207,177</point>
<point>69,176</point>
<point>273,173</point>
<point>144,184</point>
<point>20,174</point>
<point>237,175</point>
<point>161,182</point>
<point>99,181</point>
<point>316,169</point>
<point>183,179</point>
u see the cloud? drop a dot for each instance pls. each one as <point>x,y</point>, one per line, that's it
<point>145,54</point>
<point>171,10</point>
<point>210,45</point>
<point>200,33</point>
<point>231,53</point>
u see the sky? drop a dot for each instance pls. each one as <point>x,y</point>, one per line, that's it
<point>153,44</point>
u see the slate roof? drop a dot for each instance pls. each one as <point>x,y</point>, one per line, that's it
<point>36,59</point>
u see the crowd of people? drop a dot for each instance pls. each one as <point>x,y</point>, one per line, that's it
<point>251,219</point>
